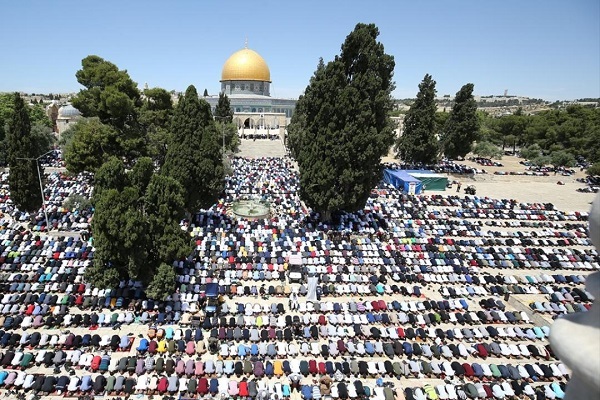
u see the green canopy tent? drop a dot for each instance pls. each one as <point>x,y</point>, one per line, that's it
<point>430,180</point>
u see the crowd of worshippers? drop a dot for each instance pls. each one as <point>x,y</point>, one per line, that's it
<point>373,317</point>
<point>444,166</point>
<point>167,355</point>
<point>266,357</point>
<point>336,387</point>
<point>58,187</point>
<point>268,179</point>
<point>53,159</point>
<point>261,134</point>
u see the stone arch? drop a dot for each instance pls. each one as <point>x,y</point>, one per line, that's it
<point>238,122</point>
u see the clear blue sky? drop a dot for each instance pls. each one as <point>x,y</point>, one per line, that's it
<point>539,48</point>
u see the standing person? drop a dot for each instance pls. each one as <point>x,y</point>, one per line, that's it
<point>458,185</point>
<point>294,299</point>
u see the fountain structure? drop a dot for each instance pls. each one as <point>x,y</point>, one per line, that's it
<point>251,208</point>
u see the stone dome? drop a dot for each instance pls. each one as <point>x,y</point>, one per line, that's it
<point>246,65</point>
<point>68,111</point>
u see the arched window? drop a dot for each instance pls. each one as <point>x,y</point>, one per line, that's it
<point>253,109</point>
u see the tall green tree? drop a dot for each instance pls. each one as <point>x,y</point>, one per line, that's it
<point>341,127</point>
<point>112,96</point>
<point>110,175</point>
<point>156,109</point>
<point>232,139</point>
<point>224,118</point>
<point>7,104</point>
<point>562,158</point>
<point>155,118</point>
<point>40,123</point>
<point>120,229</point>
<point>158,143</point>
<point>141,174</point>
<point>136,226</point>
<point>223,108</point>
<point>37,115</point>
<point>163,205</point>
<point>22,153</point>
<point>531,152</point>
<point>109,93</point>
<point>418,143</point>
<point>163,282</point>
<point>296,130</point>
<point>462,127</point>
<point>593,170</point>
<point>88,144</point>
<point>120,234</point>
<point>42,138</point>
<point>441,117</point>
<point>510,130</point>
<point>487,149</point>
<point>194,156</point>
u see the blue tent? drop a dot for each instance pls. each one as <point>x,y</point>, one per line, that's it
<point>401,180</point>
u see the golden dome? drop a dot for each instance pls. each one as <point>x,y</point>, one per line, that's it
<point>246,65</point>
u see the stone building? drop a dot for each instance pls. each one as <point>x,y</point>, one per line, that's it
<point>246,80</point>
<point>67,115</point>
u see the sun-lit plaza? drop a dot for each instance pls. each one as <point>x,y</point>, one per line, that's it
<point>312,201</point>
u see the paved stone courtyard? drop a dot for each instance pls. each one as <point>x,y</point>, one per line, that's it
<point>261,148</point>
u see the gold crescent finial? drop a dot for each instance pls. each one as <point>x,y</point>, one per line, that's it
<point>246,43</point>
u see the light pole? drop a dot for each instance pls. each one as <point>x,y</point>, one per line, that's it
<point>41,187</point>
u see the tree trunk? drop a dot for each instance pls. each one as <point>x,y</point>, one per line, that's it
<point>325,216</point>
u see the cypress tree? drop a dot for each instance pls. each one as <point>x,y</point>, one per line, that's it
<point>224,121</point>
<point>341,127</point>
<point>418,143</point>
<point>223,108</point>
<point>462,126</point>
<point>23,176</point>
<point>136,225</point>
<point>121,235</point>
<point>163,206</point>
<point>110,175</point>
<point>194,156</point>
